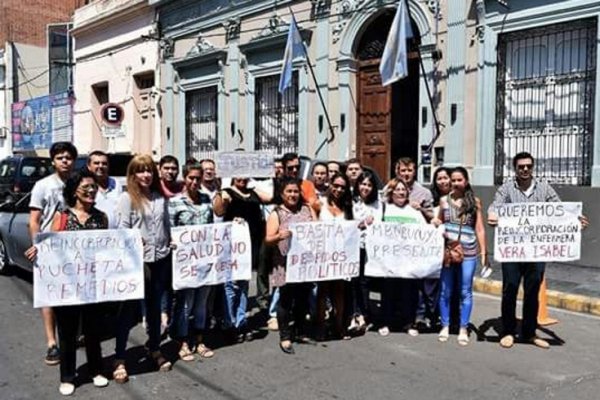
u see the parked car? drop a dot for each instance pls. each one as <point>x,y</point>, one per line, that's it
<point>19,173</point>
<point>14,234</point>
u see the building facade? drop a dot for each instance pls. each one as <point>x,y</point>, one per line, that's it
<point>221,77</point>
<point>29,32</point>
<point>116,61</point>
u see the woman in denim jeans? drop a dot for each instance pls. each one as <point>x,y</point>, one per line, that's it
<point>241,202</point>
<point>191,207</point>
<point>460,212</point>
<point>144,207</point>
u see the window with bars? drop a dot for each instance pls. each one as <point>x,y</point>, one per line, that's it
<point>545,106</point>
<point>276,115</point>
<point>201,119</point>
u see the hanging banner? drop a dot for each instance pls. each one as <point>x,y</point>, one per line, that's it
<point>81,267</point>
<point>211,254</point>
<point>323,251</point>
<point>39,122</point>
<point>245,164</point>
<point>396,250</point>
<point>529,232</point>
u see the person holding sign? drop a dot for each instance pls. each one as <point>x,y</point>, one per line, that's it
<point>367,209</point>
<point>191,207</point>
<point>45,201</point>
<point>399,209</point>
<point>241,202</point>
<point>144,207</point>
<point>460,212</point>
<point>523,189</point>
<point>79,195</point>
<point>293,297</point>
<point>338,206</point>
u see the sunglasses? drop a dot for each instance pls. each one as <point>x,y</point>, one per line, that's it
<point>525,166</point>
<point>292,167</point>
<point>89,188</point>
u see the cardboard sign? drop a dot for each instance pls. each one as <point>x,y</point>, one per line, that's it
<point>81,267</point>
<point>245,164</point>
<point>396,250</point>
<point>323,251</point>
<point>529,232</point>
<point>211,254</point>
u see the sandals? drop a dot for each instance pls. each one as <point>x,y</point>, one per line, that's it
<point>163,364</point>
<point>185,354</point>
<point>120,372</point>
<point>444,334</point>
<point>204,351</point>
<point>507,341</point>
<point>463,337</point>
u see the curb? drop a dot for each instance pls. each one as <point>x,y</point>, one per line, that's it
<point>566,301</point>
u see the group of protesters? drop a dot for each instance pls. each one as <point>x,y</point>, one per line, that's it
<point>155,201</point>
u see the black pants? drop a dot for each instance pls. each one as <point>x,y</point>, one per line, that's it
<point>408,292</point>
<point>429,298</point>
<point>262,276</point>
<point>359,293</point>
<point>292,306</point>
<point>532,274</point>
<point>67,321</point>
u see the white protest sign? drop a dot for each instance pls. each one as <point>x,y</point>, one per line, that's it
<point>529,232</point>
<point>396,250</point>
<point>245,164</point>
<point>323,251</point>
<point>91,266</point>
<point>211,254</point>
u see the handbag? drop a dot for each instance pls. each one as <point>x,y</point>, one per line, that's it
<point>453,251</point>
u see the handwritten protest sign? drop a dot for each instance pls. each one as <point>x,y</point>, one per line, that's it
<point>211,254</point>
<point>82,267</point>
<point>396,250</point>
<point>244,164</point>
<point>538,232</point>
<point>323,251</point>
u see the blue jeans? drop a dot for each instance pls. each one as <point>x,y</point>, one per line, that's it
<point>236,302</point>
<point>464,273</point>
<point>274,302</point>
<point>190,303</point>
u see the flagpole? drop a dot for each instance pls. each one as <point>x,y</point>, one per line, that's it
<point>312,73</point>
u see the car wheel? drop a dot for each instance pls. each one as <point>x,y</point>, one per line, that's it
<point>4,265</point>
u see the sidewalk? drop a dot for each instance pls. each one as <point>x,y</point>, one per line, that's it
<point>571,287</point>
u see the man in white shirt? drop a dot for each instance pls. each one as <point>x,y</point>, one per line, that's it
<point>47,200</point>
<point>108,189</point>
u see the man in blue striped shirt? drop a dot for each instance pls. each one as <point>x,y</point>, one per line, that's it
<point>523,189</point>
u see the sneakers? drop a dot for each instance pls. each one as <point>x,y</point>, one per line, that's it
<point>53,356</point>
<point>414,332</point>
<point>100,381</point>
<point>66,389</point>
<point>272,324</point>
<point>384,331</point>
<point>444,334</point>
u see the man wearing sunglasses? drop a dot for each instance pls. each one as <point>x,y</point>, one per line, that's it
<point>291,164</point>
<point>524,188</point>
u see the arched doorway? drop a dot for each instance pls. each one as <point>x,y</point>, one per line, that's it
<point>387,117</point>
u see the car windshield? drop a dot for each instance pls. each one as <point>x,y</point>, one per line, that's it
<point>35,168</point>
<point>8,168</point>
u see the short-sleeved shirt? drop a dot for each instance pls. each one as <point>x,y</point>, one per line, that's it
<point>47,196</point>
<point>106,201</point>
<point>182,211</point>
<point>153,223</point>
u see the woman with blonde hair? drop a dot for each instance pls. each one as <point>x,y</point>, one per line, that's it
<point>144,207</point>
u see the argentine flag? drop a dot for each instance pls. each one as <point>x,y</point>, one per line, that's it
<point>394,65</point>
<point>293,48</point>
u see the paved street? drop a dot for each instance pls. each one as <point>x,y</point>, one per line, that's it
<point>371,367</point>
